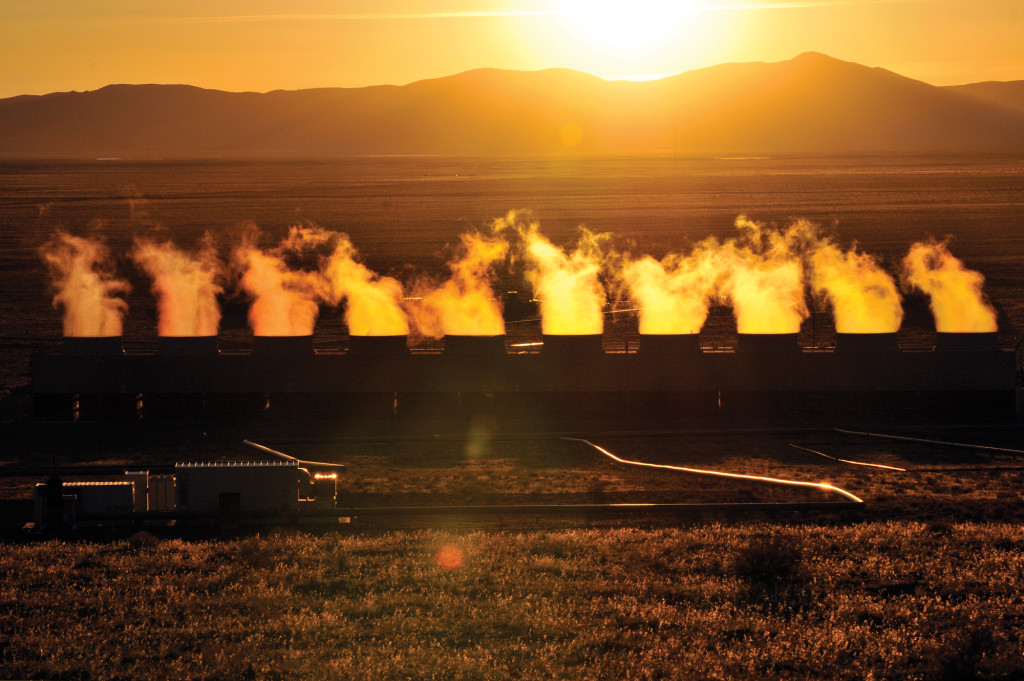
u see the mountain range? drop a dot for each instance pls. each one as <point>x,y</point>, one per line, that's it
<point>810,104</point>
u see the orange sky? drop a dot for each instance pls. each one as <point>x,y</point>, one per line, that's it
<point>56,45</point>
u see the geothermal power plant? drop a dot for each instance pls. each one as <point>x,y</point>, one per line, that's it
<point>568,378</point>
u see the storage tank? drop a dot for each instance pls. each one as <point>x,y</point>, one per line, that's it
<point>282,345</point>
<point>378,345</point>
<point>966,342</point>
<point>187,345</point>
<point>767,342</point>
<point>669,343</point>
<point>474,345</point>
<point>91,345</point>
<point>572,344</point>
<point>866,342</point>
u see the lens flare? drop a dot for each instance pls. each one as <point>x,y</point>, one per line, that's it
<point>450,557</point>
<point>570,135</point>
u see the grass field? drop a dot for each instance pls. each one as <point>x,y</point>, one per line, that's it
<point>927,582</point>
<point>874,600</point>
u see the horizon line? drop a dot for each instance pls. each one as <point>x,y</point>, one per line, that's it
<point>618,78</point>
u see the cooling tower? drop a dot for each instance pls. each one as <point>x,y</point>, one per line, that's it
<point>282,345</point>
<point>187,345</point>
<point>866,342</point>
<point>966,342</point>
<point>670,343</point>
<point>378,345</point>
<point>572,344</point>
<point>767,342</point>
<point>91,345</point>
<point>474,345</point>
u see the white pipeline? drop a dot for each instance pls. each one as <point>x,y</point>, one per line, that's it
<point>932,442</point>
<point>287,457</point>
<point>853,463</point>
<point>824,487</point>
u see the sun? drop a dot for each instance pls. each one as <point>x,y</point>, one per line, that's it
<point>627,27</point>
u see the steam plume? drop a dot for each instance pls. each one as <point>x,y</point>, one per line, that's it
<point>373,302</point>
<point>955,292</point>
<point>675,293</point>
<point>87,289</point>
<point>284,301</point>
<point>863,296</point>
<point>763,279</point>
<point>186,286</point>
<point>464,305</point>
<point>571,295</point>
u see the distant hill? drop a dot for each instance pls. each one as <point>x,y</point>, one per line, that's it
<point>1007,95</point>
<point>810,104</point>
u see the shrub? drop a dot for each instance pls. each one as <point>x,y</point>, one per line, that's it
<point>770,566</point>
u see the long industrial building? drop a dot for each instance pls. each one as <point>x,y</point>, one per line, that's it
<point>569,382</point>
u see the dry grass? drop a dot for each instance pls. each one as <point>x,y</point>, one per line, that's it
<point>927,584</point>
<point>877,600</point>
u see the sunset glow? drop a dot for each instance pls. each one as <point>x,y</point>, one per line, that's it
<point>236,46</point>
<point>628,27</point>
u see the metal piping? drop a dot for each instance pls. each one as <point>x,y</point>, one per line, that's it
<point>931,442</point>
<point>735,476</point>
<point>854,463</point>
<point>287,457</point>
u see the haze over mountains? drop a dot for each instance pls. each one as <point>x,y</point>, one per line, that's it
<point>810,104</point>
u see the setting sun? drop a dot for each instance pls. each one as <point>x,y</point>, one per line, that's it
<point>236,46</point>
<point>627,27</point>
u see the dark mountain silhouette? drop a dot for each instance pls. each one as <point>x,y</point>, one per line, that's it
<point>1008,95</point>
<point>810,104</point>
